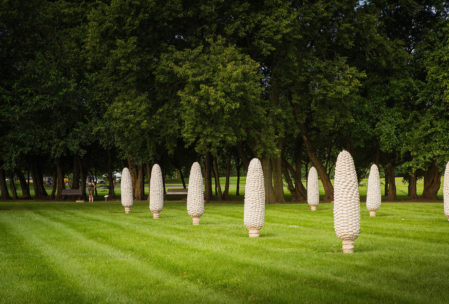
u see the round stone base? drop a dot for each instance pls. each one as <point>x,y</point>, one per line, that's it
<point>195,220</point>
<point>372,213</point>
<point>127,210</point>
<point>254,232</point>
<point>313,207</point>
<point>348,246</point>
<point>156,215</point>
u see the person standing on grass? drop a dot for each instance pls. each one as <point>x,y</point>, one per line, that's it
<point>91,189</point>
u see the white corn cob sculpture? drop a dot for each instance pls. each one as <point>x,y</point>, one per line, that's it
<point>346,202</point>
<point>195,196</point>
<point>156,191</point>
<point>446,191</point>
<point>313,194</point>
<point>254,209</point>
<point>373,196</point>
<point>126,189</point>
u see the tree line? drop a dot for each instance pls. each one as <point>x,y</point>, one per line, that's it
<point>92,86</point>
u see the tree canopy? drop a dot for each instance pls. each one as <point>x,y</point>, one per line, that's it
<point>95,85</point>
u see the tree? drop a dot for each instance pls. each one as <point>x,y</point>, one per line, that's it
<point>220,101</point>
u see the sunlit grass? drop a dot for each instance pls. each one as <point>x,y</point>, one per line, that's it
<point>60,252</point>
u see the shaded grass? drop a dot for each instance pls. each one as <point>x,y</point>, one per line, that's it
<point>55,252</point>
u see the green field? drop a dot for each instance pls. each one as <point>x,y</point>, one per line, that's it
<point>61,252</point>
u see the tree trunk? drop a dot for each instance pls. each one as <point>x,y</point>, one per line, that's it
<point>432,182</point>
<point>302,192</point>
<point>139,189</point>
<point>182,178</point>
<point>228,176</point>
<point>95,183</point>
<point>391,195</point>
<point>242,155</point>
<point>299,193</point>
<point>290,186</point>
<point>327,185</point>
<point>41,181</point>
<point>267,178</point>
<point>76,176</point>
<point>412,187</point>
<point>207,178</point>
<point>111,192</point>
<point>237,166</point>
<point>278,189</point>
<point>60,180</point>
<point>53,187</point>
<point>3,186</point>
<point>163,181</point>
<point>39,191</point>
<point>133,171</point>
<point>217,180</point>
<point>377,157</point>
<point>386,181</point>
<point>149,178</point>
<point>24,185</point>
<point>13,188</point>
<point>83,179</point>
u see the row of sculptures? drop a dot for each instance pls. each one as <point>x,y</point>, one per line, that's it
<point>346,196</point>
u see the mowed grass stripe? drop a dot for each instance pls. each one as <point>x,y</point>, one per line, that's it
<point>165,236</point>
<point>330,229</point>
<point>241,261</point>
<point>70,271</point>
<point>287,264</point>
<point>20,283</point>
<point>151,281</point>
<point>198,253</point>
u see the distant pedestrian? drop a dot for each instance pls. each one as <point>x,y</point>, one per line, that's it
<point>91,188</point>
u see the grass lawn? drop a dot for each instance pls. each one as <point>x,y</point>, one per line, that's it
<point>61,252</point>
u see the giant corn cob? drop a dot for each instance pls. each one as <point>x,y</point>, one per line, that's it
<point>346,202</point>
<point>313,194</point>
<point>254,209</point>
<point>156,191</point>
<point>373,196</point>
<point>126,189</point>
<point>446,191</point>
<point>195,196</point>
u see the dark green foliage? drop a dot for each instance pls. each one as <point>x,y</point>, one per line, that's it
<point>172,81</point>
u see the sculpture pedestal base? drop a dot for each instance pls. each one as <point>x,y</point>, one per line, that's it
<point>348,246</point>
<point>313,208</point>
<point>195,220</point>
<point>156,215</point>
<point>254,232</point>
<point>372,213</point>
<point>127,210</point>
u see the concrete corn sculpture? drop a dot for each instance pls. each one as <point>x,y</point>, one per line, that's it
<point>373,196</point>
<point>254,209</point>
<point>446,191</point>
<point>313,194</point>
<point>346,202</point>
<point>126,188</point>
<point>156,191</point>
<point>195,196</point>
